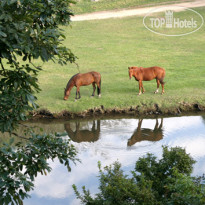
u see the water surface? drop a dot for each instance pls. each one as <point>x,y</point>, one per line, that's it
<point>109,140</point>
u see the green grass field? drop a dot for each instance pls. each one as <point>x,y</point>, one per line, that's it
<point>87,6</point>
<point>109,47</point>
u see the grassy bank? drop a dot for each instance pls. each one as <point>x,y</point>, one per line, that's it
<point>87,6</point>
<point>109,47</point>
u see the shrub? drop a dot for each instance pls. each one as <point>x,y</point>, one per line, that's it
<point>153,182</point>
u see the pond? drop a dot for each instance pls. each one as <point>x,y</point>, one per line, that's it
<point>108,140</point>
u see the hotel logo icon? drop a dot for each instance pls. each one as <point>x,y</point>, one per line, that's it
<point>169,19</point>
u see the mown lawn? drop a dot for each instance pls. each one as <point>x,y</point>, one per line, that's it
<point>109,47</point>
<point>87,6</point>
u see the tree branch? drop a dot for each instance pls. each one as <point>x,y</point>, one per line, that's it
<point>13,133</point>
<point>77,66</point>
<point>37,67</point>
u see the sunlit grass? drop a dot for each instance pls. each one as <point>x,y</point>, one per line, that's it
<point>109,47</point>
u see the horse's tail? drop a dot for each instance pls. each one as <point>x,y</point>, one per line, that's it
<point>99,88</point>
<point>162,81</point>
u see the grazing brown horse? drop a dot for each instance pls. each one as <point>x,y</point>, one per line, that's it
<point>82,79</point>
<point>147,74</point>
<point>146,134</point>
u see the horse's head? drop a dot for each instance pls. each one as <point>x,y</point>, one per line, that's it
<point>66,94</point>
<point>130,71</point>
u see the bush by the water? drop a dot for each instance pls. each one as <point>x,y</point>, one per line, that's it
<point>167,181</point>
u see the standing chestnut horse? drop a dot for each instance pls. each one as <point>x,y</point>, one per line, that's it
<point>147,74</point>
<point>82,79</point>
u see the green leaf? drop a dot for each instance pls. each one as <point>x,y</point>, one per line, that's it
<point>3,34</point>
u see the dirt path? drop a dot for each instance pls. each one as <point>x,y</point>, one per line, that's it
<point>133,12</point>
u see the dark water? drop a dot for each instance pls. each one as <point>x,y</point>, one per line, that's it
<point>124,140</point>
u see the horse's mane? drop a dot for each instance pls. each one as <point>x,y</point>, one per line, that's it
<point>69,82</point>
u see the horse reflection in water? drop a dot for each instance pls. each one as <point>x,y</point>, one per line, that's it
<point>83,135</point>
<point>146,134</point>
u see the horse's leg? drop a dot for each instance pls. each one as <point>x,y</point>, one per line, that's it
<point>161,124</point>
<point>139,124</point>
<point>140,84</point>
<point>77,125</point>
<point>93,89</point>
<point>143,90</point>
<point>157,90</point>
<point>93,127</point>
<point>77,96</point>
<point>156,125</point>
<point>162,84</point>
<point>79,93</point>
<point>99,88</point>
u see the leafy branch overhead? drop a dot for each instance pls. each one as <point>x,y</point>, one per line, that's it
<point>20,165</point>
<point>29,29</point>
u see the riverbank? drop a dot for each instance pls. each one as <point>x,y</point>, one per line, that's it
<point>181,109</point>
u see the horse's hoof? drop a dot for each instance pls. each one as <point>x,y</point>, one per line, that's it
<point>99,96</point>
<point>139,94</point>
<point>76,100</point>
<point>156,91</point>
